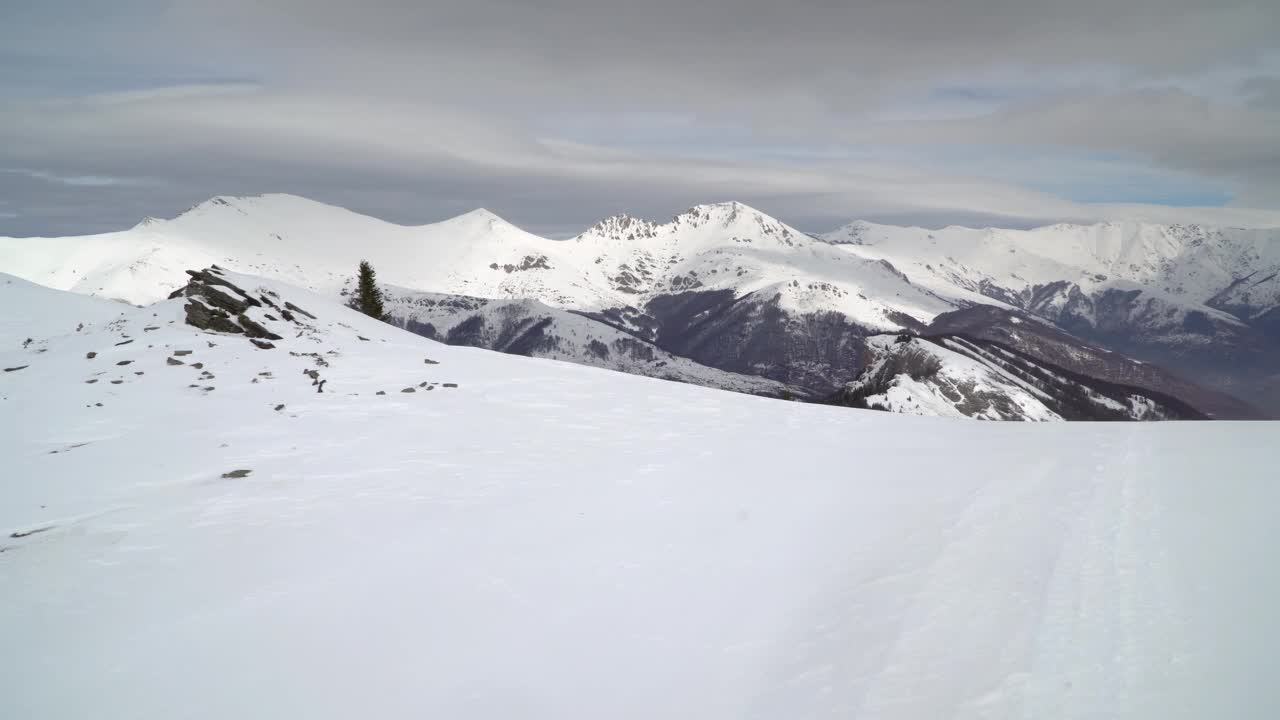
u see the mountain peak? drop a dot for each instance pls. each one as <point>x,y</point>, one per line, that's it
<point>623,227</point>
<point>482,220</point>
<point>481,214</point>
<point>245,204</point>
<point>727,211</point>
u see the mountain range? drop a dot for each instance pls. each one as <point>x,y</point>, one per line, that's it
<point>726,296</point>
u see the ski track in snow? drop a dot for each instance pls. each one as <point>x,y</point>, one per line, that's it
<point>552,541</point>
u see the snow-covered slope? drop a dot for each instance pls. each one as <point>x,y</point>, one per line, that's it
<point>914,376</point>
<point>306,243</point>
<point>217,539</point>
<point>1045,343</point>
<point>955,376</point>
<point>37,310</point>
<point>535,329</point>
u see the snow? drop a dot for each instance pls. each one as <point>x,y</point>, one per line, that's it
<point>570,338</point>
<point>555,541</point>
<point>959,375</point>
<point>621,262</point>
<point>33,310</point>
<point>1183,264</point>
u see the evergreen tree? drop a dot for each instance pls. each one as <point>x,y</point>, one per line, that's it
<point>368,299</point>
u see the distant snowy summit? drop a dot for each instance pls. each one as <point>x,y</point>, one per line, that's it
<point>726,295</point>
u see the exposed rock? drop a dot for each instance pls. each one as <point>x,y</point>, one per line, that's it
<point>220,300</point>
<point>90,356</point>
<point>14,369</point>
<point>201,316</point>
<point>429,361</point>
<point>123,342</point>
<point>205,279</point>
<point>90,381</point>
<point>173,361</point>
<point>279,407</point>
<point>198,366</point>
<point>254,330</point>
<point>409,390</point>
<point>124,362</point>
<point>451,385</point>
<point>117,382</point>
<point>262,344</point>
<point>236,474</point>
<point>381,392</point>
<point>180,353</point>
<point>295,308</point>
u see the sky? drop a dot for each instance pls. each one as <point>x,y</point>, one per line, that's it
<point>556,113</point>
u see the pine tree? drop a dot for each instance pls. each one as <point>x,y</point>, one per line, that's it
<point>368,299</point>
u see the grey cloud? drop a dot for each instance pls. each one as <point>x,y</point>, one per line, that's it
<point>1172,128</point>
<point>555,112</point>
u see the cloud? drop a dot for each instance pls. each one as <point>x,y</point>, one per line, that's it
<point>1170,127</point>
<point>555,112</point>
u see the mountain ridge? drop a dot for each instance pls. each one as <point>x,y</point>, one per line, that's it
<point>734,289</point>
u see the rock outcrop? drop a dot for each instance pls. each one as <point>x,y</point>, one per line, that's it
<point>217,305</point>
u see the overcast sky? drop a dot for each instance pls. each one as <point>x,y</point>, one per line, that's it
<point>554,113</point>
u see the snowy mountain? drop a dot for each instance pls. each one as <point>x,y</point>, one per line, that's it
<point>723,291</point>
<point>956,376</point>
<point>535,329</point>
<point>1199,300</point>
<point>722,285</point>
<point>358,521</point>
<point>1045,342</point>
